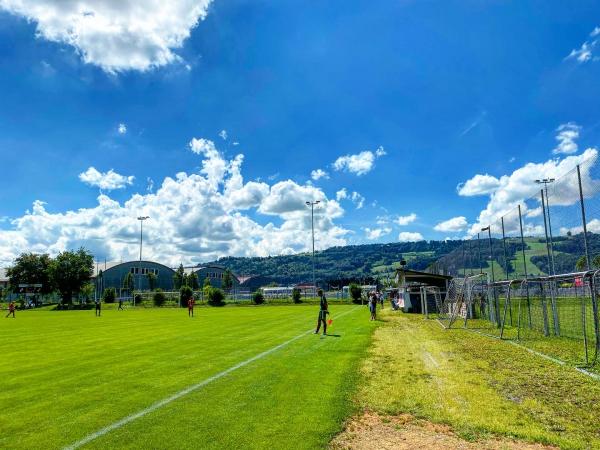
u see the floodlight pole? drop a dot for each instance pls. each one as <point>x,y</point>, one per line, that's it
<point>141,219</point>
<point>312,224</point>
<point>546,210</point>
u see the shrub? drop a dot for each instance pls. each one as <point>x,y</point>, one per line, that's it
<point>296,295</point>
<point>216,297</point>
<point>159,298</point>
<point>109,295</point>
<point>258,298</point>
<point>355,292</point>
<point>138,299</point>
<point>185,293</point>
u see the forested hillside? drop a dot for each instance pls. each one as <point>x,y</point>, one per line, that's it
<point>339,264</point>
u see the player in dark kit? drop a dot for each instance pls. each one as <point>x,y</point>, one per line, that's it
<point>11,309</point>
<point>98,307</point>
<point>191,303</point>
<point>322,313</point>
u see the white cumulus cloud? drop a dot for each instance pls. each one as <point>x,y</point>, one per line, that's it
<point>405,220</point>
<point>107,181</point>
<point>359,164</point>
<point>115,35</point>
<point>194,217</point>
<point>122,128</point>
<point>318,174</point>
<point>357,199</point>
<point>376,233</point>
<point>566,137</point>
<point>478,185</point>
<point>454,225</point>
<point>409,236</point>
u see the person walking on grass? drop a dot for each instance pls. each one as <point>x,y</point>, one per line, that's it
<point>120,304</point>
<point>191,303</point>
<point>373,305</point>
<point>323,311</point>
<point>380,297</point>
<point>11,309</point>
<point>98,307</point>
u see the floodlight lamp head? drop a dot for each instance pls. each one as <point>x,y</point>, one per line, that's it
<point>486,228</point>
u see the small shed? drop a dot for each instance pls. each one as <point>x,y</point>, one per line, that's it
<point>418,290</point>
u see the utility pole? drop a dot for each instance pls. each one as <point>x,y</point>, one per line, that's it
<point>312,224</point>
<point>141,219</point>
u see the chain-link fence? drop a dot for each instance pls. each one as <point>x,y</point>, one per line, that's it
<point>538,267</point>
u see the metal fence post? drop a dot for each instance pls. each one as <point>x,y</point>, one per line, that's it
<point>545,211</point>
<point>479,252</point>
<point>525,266</point>
<point>588,265</point>
<point>505,270</point>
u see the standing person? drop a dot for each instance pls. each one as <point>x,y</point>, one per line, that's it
<point>11,309</point>
<point>120,304</point>
<point>323,311</point>
<point>191,303</point>
<point>380,295</point>
<point>98,307</point>
<point>373,306</point>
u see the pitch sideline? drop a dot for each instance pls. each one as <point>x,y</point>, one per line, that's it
<point>124,421</point>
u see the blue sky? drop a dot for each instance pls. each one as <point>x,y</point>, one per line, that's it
<point>446,90</point>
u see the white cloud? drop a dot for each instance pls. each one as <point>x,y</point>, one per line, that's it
<point>357,199</point>
<point>567,134</point>
<point>376,233</point>
<point>149,185</point>
<point>341,194</point>
<point>586,51</point>
<point>193,218</point>
<point>318,174</point>
<point>405,220</point>
<point>478,185</point>
<point>115,35</point>
<point>515,188</point>
<point>107,181</point>
<point>122,128</point>
<point>223,134</point>
<point>408,236</point>
<point>453,225</point>
<point>359,164</point>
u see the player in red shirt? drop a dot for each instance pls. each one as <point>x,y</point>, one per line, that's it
<point>11,309</point>
<point>191,303</point>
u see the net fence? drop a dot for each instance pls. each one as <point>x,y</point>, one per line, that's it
<point>533,274</point>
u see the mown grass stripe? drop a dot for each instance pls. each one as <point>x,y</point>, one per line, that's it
<point>120,423</point>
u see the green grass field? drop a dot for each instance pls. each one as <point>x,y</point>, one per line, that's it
<point>68,374</point>
<point>481,387</point>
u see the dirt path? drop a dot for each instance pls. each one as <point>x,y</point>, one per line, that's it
<point>372,431</point>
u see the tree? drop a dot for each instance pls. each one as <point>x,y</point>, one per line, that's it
<point>192,281</point>
<point>227,280</point>
<point>179,277</point>
<point>70,271</point>
<point>128,282</point>
<point>30,268</point>
<point>216,297</point>
<point>206,288</point>
<point>258,298</point>
<point>109,295</point>
<point>185,293</point>
<point>152,279</point>
<point>355,292</point>
<point>87,291</point>
<point>581,264</point>
<point>159,297</point>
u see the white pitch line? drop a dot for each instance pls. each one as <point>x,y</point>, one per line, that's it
<point>184,392</point>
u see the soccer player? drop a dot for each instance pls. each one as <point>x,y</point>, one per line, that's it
<point>191,303</point>
<point>120,304</point>
<point>373,305</point>
<point>11,309</point>
<point>322,313</point>
<point>98,307</point>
